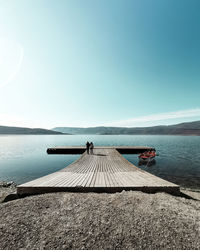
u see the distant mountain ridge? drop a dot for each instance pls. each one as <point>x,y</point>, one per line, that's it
<point>27,131</point>
<point>186,128</point>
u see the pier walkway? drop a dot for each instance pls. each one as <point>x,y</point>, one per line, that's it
<point>104,171</point>
<point>81,150</point>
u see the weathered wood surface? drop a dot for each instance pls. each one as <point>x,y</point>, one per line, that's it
<point>81,150</point>
<point>104,171</point>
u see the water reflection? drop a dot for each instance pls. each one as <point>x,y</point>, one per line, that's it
<point>147,163</point>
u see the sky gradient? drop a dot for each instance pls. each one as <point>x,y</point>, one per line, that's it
<point>90,63</point>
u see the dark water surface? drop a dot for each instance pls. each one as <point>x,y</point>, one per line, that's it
<point>24,158</point>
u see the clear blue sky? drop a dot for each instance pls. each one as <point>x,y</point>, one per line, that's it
<point>87,63</point>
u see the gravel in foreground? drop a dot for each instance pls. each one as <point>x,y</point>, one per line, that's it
<point>127,220</point>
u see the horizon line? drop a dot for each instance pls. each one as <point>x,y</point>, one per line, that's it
<point>159,119</point>
<point>98,126</point>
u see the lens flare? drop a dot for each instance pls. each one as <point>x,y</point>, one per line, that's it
<point>11,58</point>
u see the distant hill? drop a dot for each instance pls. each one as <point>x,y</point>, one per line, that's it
<point>27,131</point>
<point>187,128</point>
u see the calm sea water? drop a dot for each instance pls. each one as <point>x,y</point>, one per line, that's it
<point>24,158</point>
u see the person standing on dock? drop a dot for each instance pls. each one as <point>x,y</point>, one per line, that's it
<point>91,148</point>
<point>87,146</point>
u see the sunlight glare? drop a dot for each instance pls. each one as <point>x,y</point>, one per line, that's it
<point>11,58</point>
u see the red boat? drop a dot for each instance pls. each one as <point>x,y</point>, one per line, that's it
<point>147,155</point>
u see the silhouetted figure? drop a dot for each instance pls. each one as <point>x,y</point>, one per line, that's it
<point>91,148</point>
<point>87,147</point>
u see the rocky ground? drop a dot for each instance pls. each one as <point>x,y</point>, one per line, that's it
<point>126,220</point>
<point>7,189</point>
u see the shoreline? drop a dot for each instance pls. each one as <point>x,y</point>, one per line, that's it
<point>8,191</point>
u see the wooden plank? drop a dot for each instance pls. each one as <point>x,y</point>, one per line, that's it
<point>106,170</point>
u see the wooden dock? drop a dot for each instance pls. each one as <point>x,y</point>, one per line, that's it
<point>81,150</point>
<point>104,171</point>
